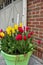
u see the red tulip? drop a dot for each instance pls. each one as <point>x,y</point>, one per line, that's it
<point>19,37</point>
<point>25,38</point>
<point>29,35</point>
<point>20,29</point>
<point>27,28</point>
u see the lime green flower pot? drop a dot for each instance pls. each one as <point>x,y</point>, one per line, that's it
<point>17,59</point>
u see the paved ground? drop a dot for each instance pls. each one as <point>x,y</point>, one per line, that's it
<point>2,62</point>
<point>31,62</point>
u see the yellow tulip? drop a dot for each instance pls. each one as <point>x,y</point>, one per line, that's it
<point>13,31</point>
<point>16,27</point>
<point>2,34</point>
<point>9,33</point>
<point>8,30</point>
<point>20,24</point>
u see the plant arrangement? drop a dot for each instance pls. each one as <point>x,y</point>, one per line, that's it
<point>17,40</point>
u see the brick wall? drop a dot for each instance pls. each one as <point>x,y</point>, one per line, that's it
<point>35,21</point>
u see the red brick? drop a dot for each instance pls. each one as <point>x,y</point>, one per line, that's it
<point>40,32</point>
<point>40,36</point>
<point>39,19</point>
<point>29,13</point>
<point>41,0</point>
<point>41,12</point>
<point>41,29</point>
<point>37,32</point>
<point>40,55</point>
<point>29,4</point>
<point>35,52</point>
<point>39,48</point>
<point>41,7</point>
<point>32,19</point>
<point>39,26</point>
<point>39,4</point>
<point>29,0</point>
<point>35,35</point>
<point>31,25</point>
<point>33,12</point>
<point>35,22</point>
<point>37,12</point>
<point>36,1</point>
<point>29,17</point>
<point>41,22</point>
<point>29,22</point>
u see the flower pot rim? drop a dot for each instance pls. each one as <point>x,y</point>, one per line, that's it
<point>15,55</point>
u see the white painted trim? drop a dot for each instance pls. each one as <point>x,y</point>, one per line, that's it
<point>24,17</point>
<point>10,5</point>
